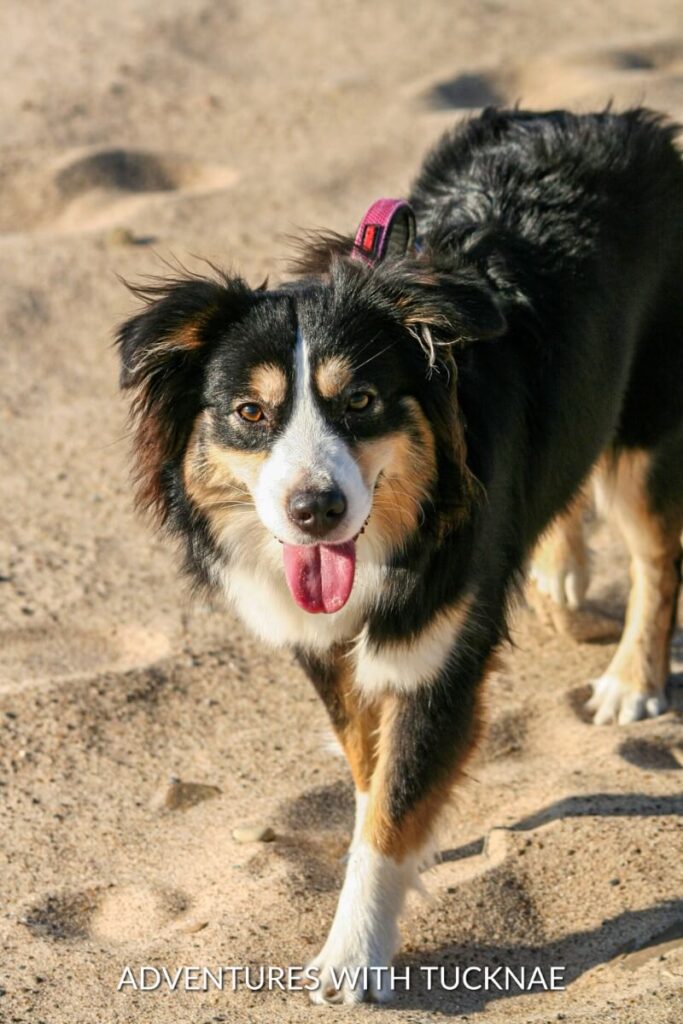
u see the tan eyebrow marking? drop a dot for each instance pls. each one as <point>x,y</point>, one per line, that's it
<point>333,375</point>
<point>269,383</point>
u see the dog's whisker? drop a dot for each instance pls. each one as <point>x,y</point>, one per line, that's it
<point>368,344</point>
<point>373,357</point>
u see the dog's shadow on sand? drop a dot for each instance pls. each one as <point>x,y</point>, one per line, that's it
<point>636,935</point>
<point>625,941</point>
<point>645,930</point>
<point>658,928</point>
<point>594,805</point>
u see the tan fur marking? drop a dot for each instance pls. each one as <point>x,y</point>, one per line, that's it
<point>642,658</point>
<point>358,736</point>
<point>149,453</point>
<point>354,721</point>
<point>398,839</point>
<point>218,480</point>
<point>188,336</point>
<point>559,572</point>
<point>152,446</point>
<point>269,383</point>
<point>359,743</point>
<point>333,375</point>
<point>408,469</point>
<point>563,542</point>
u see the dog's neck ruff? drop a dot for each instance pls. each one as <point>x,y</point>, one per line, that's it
<point>387,230</point>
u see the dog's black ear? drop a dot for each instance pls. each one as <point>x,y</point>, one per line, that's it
<point>164,351</point>
<point>172,331</point>
<point>445,308</point>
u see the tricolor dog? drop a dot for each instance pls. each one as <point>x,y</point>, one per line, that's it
<point>364,460</point>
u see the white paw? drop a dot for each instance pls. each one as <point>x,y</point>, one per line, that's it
<point>354,964</point>
<point>350,976</point>
<point>613,701</point>
<point>566,585</point>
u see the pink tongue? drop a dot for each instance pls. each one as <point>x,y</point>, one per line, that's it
<point>320,576</point>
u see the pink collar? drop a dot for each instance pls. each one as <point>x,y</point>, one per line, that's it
<point>386,230</point>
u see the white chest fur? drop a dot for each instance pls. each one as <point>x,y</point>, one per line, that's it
<point>254,583</point>
<point>260,596</point>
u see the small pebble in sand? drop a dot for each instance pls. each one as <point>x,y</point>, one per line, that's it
<point>178,795</point>
<point>120,236</point>
<point>192,926</point>
<point>253,834</point>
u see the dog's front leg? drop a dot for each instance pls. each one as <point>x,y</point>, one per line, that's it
<point>354,719</point>
<point>423,739</point>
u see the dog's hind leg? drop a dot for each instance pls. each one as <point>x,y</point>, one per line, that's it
<point>560,563</point>
<point>425,735</point>
<point>559,575</point>
<point>633,685</point>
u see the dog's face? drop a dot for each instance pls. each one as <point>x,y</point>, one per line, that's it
<point>297,418</point>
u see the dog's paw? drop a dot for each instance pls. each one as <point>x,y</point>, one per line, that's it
<point>354,965</point>
<point>614,701</point>
<point>564,583</point>
<point>350,975</point>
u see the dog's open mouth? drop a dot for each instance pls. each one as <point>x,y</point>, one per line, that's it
<point>320,576</point>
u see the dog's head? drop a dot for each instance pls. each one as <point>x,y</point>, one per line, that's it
<point>305,415</point>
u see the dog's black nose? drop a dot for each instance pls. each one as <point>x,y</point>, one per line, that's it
<point>316,512</point>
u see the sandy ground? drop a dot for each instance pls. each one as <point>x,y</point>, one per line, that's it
<point>134,131</point>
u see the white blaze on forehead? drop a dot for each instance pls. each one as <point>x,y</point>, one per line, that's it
<point>308,441</point>
<point>309,455</point>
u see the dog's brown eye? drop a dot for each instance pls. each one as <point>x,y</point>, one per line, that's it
<point>251,412</point>
<point>360,400</point>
